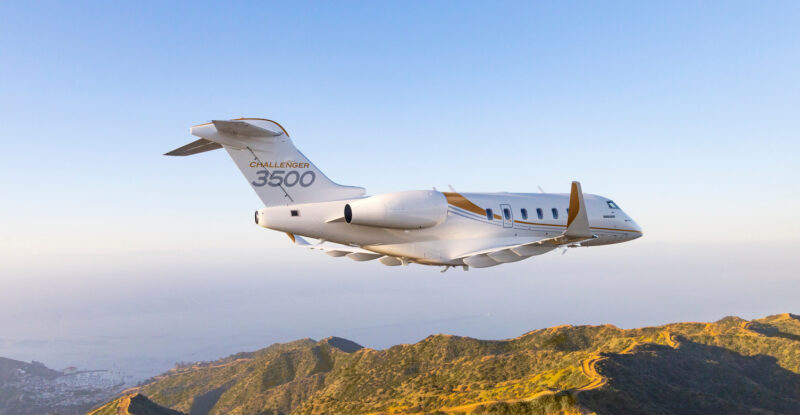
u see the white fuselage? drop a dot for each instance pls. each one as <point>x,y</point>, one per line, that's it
<point>473,222</point>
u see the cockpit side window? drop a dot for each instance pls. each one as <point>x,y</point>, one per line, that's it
<point>612,205</point>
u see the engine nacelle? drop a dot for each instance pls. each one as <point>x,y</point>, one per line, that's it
<point>399,210</point>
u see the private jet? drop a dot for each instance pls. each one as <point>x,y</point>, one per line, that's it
<point>428,227</point>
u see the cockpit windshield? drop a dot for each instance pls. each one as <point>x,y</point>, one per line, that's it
<point>612,205</point>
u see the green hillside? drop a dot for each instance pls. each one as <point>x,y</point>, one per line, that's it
<point>731,366</point>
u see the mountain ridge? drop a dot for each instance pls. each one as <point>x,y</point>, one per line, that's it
<point>562,369</point>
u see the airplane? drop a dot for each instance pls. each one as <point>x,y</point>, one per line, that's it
<point>428,227</point>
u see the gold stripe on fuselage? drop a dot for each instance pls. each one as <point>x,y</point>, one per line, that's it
<point>458,200</point>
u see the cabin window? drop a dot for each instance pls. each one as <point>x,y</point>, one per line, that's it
<point>524,213</point>
<point>507,213</point>
<point>539,213</point>
<point>612,205</point>
<point>555,213</point>
<point>489,214</point>
<point>295,213</point>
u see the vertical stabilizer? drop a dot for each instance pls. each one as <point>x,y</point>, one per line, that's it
<point>278,172</point>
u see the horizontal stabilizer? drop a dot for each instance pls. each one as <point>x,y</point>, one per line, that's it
<point>243,129</point>
<point>200,146</point>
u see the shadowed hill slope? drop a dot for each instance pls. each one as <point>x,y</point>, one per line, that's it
<point>730,366</point>
<point>134,404</point>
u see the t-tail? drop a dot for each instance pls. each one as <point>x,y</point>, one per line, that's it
<point>278,172</point>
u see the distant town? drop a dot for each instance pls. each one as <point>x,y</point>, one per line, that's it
<point>27,388</point>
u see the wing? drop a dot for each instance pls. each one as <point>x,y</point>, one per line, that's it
<point>577,231</point>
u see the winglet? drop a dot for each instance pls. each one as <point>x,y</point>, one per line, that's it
<point>577,220</point>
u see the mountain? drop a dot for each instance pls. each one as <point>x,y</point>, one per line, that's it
<point>11,369</point>
<point>731,366</point>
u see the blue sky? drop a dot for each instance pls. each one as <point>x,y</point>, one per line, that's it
<point>684,113</point>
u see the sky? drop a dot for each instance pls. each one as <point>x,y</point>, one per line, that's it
<point>113,255</point>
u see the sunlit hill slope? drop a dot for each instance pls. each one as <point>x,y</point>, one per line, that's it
<point>730,366</point>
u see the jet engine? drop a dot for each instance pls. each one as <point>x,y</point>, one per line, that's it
<point>415,209</point>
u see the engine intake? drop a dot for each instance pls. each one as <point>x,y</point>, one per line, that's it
<point>414,209</point>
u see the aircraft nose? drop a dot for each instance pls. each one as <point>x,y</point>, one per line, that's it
<point>635,227</point>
